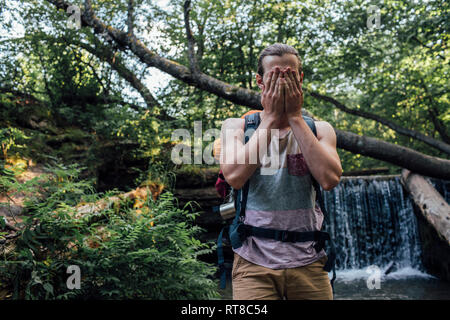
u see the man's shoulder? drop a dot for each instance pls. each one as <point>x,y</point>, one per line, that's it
<point>324,129</point>
<point>233,123</point>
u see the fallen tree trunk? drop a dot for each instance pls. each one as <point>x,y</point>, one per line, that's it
<point>366,172</point>
<point>440,145</point>
<point>205,177</point>
<point>433,216</point>
<point>97,211</point>
<point>206,195</point>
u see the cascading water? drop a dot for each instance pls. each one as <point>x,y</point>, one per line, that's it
<point>372,223</point>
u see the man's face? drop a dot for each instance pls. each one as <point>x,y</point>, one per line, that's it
<point>271,62</point>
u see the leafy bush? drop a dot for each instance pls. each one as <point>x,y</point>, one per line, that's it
<point>125,249</point>
<point>9,138</point>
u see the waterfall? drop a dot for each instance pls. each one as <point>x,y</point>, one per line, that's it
<point>372,223</point>
<point>442,186</point>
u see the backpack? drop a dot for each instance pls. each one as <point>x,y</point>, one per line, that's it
<point>238,231</point>
<point>222,186</point>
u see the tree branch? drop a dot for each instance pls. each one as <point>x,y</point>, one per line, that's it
<point>130,17</point>
<point>425,46</point>
<point>107,55</point>
<point>437,123</point>
<point>433,112</point>
<point>393,153</point>
<point>104,53</point>
<point>190,39</point>
<point>426,165</point>
<point>440,145</point>
<point>201,81</point>
<point>200,39</point>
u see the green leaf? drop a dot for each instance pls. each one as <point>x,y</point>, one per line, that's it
<point>48,287</point>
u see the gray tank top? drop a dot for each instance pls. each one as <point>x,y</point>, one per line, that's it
<point>283,200</point>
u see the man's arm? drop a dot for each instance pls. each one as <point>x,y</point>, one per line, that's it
<point>239,161</point>
<point>320,153</point>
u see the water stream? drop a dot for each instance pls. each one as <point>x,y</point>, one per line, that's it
<point>375,231</point>
<point>373,225</point>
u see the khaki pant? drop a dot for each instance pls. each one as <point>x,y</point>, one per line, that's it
<point>255,282</point>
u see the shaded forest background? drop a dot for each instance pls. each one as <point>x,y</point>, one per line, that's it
<point>90,96</point>
<point>89,86</point>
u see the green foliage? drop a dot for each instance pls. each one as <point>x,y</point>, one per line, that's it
<point>11,138</point>
<point>399,71</point>
<point>124,252</point>
<point>80,110</point>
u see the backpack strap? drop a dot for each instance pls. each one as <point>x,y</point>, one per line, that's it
<point>284,235</point>
<point>252,122</point>
<point>310,122</point>
<point>221,258</point>
<point>331,262</point>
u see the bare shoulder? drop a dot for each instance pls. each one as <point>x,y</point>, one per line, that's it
<point>233,123</point>
<point>325,131</point>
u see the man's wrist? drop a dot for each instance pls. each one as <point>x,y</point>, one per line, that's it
<point>295,119</point>
<point>272,121</point>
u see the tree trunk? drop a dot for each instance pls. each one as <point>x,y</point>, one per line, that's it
<point>366,172</point>
<point>206,198</point>
<point>433,216</point>
<point>440,145</point>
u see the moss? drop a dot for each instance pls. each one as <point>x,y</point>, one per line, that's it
<point>196,176</point>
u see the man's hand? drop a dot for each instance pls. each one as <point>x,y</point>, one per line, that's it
<point>293,93</point>
<point>272,97</point>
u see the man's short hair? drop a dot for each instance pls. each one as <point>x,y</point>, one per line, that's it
<point>277,49</point>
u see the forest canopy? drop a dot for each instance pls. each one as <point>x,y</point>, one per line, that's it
<point>378,74</point>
